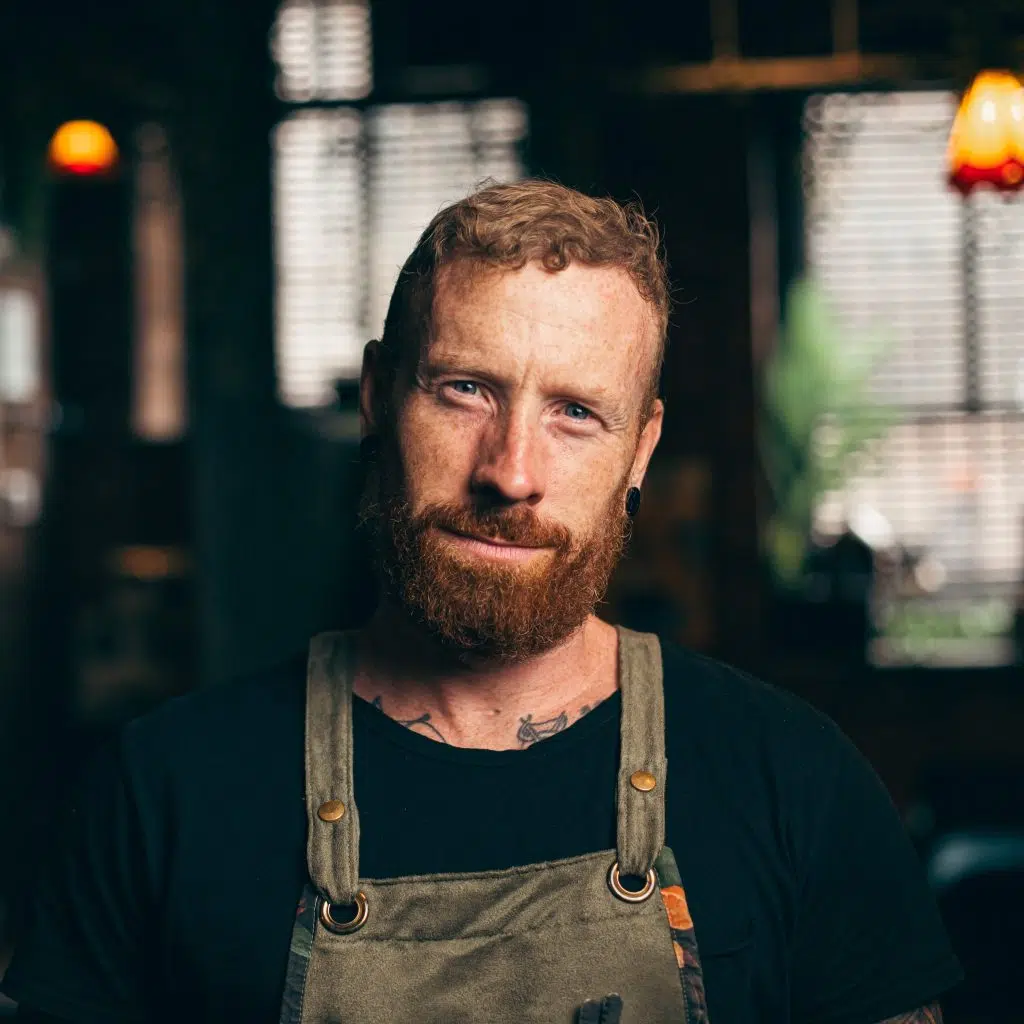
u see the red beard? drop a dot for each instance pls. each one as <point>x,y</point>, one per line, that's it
<point>499,612</point>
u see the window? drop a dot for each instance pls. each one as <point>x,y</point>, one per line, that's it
<point>903,258</point>
<point>159,400</point>
<point>19,344</point>
<point>22,395</point>
<point>355,184</point>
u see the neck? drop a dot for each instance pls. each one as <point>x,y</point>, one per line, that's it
<point>471,702</point>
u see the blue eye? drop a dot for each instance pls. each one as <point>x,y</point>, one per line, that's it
<point>464,387</point>
<point>577,412</point>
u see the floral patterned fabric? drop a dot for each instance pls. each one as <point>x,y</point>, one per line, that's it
<point>298,957</point>
<point>684,937</point>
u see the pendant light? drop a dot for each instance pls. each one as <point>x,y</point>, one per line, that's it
<point>986,145</point>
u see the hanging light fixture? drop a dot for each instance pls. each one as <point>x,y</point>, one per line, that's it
<point>82,147</point>
<point>986,145</point>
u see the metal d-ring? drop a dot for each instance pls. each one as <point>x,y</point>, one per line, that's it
<point>616,886</point>
<point>328,920</point>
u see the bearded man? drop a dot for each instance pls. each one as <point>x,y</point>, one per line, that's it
<point>488,804</point>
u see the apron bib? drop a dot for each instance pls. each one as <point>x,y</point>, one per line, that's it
<point>605,937</point>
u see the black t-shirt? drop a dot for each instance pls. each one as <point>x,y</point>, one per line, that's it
<point>186,859</point>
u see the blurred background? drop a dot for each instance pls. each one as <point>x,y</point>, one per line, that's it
<point>187,281</point>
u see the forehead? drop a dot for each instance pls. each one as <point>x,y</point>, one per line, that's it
<point>590,319</point>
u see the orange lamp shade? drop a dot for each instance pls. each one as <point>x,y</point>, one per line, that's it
<point>82,147</point>
<point>986,145</point>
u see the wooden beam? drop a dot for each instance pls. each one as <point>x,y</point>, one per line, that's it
<point>747,74</point>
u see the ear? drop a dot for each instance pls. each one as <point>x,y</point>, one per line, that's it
<point>649,437</point>
<point>372,399</point>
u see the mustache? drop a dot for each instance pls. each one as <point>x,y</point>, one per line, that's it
<point>519,525</point>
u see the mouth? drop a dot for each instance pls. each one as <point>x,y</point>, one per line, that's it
<point>490,547</point>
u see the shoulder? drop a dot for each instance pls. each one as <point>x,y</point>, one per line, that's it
<point>212,728</point>
<point>244,700</point>
<point>709,694</point>
<point>755,752</point>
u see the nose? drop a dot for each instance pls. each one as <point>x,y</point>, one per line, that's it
<point>511,466</point>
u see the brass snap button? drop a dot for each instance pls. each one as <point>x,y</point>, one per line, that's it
<point>332,810</point>
<point>643,781</point>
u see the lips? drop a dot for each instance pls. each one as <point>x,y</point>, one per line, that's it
<point>498,542</point>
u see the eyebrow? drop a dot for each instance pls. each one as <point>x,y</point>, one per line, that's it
<point>445,367</point>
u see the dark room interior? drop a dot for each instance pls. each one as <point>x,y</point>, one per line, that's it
<point>837,502</point>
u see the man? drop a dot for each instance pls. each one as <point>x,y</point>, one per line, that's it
<point>488,804</point>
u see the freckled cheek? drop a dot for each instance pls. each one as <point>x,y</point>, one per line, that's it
<point>585,469</point>
<point>580,489</point>
<point>437,456</point>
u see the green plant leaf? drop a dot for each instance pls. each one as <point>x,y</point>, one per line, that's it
<point>818,417</point>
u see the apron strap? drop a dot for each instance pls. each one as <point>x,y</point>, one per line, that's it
<point>332,845</point>
<point>641,805</point>
<point>332,851</point>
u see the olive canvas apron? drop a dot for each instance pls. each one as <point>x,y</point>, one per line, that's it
<point>606,937</point>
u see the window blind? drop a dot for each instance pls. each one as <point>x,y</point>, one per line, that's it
<point>320,233</point>
<point>19,345</point>
<point>322,50</point>
<point>354,188</point>
<point>422,157</point>
<point>999,276</point>
<point>884,235</point>
<point>899,254</point>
